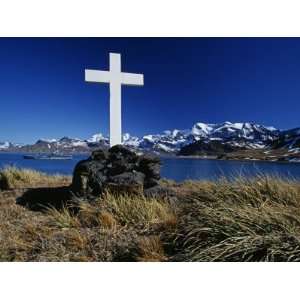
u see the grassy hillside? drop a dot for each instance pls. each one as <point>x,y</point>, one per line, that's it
<point>243,220</point>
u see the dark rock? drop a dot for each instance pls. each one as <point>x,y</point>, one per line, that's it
<point>88,166</point>
<point>153,171</point>
<point>150,166</point>
<point>100,155</point>
<point>121,152</point>
<point>150,182</point>
<point>148,159</point>
<point>88,178</point>
<point>117,170</point>
<point>129,178</point>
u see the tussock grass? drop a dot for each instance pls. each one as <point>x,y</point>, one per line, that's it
<point>151,249</point>
<point>242,219</point>
<point>15,178</point>
<point>114,228</point>
<point>138,210</point>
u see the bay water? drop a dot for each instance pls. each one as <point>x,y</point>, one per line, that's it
<point>178,169</point>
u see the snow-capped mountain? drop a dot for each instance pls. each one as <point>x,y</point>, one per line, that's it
<point>97,138</point>
<point>4,145</point>
<point>8,145</point>
<point>248,135</point>
<point>131,141</point>
<point>69,145</point>
<point>169,141</point>
<point>238,135</point>
<point>288,139</point>
<point>249,132</point>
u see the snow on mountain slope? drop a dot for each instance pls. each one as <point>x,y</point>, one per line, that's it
<point>288,139</point>
<point>131,141</point>
<point>169,141</point>
<point>245,135</point>
<point>248,135</point>
<point>246,131</point>
<point>202,129</point>
<point>8,145</point>
<point>49,140</point>
<point>4,145</point>
<point>96,138</point>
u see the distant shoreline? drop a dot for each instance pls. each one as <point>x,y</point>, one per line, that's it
<point>222,159</point>
<point>174,156</point>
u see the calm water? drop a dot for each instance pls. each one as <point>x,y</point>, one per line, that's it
<point>172,168</point>
<point>48,166</point>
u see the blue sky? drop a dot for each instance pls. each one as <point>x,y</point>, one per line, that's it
<point>43,93</point>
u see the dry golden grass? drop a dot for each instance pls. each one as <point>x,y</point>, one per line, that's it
<point>15,178</point>
<point>137,210</point>
<point>151,249</point>
<point>114,228</point>
<point>254,219</point>
<point>244,220</point>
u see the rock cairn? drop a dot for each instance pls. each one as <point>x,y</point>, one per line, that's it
<point>118,170</point>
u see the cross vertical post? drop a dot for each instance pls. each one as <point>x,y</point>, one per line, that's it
<point>115,119</point>
<point>116,78</point>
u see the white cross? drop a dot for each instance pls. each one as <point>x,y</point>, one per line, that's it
<point>115,77</point>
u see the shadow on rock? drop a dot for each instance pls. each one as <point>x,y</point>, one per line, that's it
<point>118,169</point>
<point>40,199</point>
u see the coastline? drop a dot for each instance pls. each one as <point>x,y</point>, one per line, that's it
<point>230,159</point>
<point>211,157</point>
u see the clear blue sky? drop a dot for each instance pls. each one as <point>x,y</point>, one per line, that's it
<point>43,93</point>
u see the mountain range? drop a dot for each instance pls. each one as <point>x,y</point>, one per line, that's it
<point>201,139</point>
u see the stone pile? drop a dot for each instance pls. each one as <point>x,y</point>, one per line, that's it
<point>118,170</point>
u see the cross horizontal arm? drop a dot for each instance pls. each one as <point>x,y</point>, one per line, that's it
<point>132,79</point>
<point>97,76</point>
